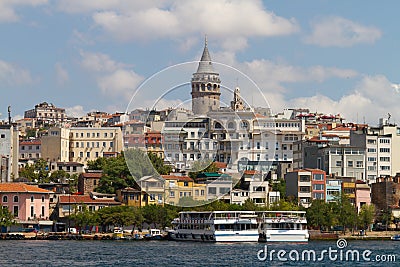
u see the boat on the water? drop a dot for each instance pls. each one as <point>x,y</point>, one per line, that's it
<point>283,226</point>
<point>215,226</point>
<point>395,237</point>
<point>154,234</point>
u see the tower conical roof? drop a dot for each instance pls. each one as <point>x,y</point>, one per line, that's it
<point>205,65</point>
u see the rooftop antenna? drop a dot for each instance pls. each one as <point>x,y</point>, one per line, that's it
<point>9,115</point>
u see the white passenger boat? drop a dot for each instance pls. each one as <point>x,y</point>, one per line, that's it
<point>283,226</point>
<point>215,226</point>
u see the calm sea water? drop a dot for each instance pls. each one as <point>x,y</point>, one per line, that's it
<point>171,253</point>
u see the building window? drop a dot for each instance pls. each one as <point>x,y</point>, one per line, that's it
<point>32,211</point>
<point>42,214</point>
<point>318,187</point>
<point>42,198</point>
<point>338,163</point>
<point>350,163</point>
<point>16,199</point>
<point>32,198</point>
<point>172,194</point>
<point>304,178</point>
<point>88,154</point>
<point>15,211</point>
<point>185,183</point>
<point>5,199</point>
<point>318,177</point>
<point>212,190</point>
<point>359,164</point>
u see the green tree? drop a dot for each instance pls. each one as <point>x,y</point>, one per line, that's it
<point>283,205</point>
<point>58,176</point>
<point>158,164</point>
<point>84,217</point>
<point>6,218</point>
<point>345,212</point>
<point>116,174</point>
<point>279,186</point>
<point>366,216</point>
<point>37,172</point>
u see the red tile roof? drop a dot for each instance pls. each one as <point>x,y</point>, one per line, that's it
<point>33,142</point>
<point>92,174</point>
<point>85,199</point>
<point>21,188</point>
<point>220,165</point>
<point>177,177</point>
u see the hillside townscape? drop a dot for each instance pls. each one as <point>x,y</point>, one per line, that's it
<point>144,166</point>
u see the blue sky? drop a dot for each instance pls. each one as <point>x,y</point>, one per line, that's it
<point>328,56</point>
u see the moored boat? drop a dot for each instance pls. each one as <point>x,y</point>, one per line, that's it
<point>283,226</point>
<point>395,237</point>
<point>215,226</point>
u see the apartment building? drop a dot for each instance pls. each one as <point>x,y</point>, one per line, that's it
<point>46,113</point>
<point>80,144</point>
<point>178,187</point>
<point>306,185</point>
<point>91,143</point>
<point>381,144</point>
<point>30,150</point>
<point>9,144</point>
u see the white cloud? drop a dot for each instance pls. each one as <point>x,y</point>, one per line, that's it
<point>115,79</point>
<point>371,99</point>
<point>61,74</point>
<point>119,84</point>
<point>341,32</point>
<point>98,62</point>
<point>14,75</point>
<point>75,111</point>
<point>7,8</point>
<point>152,20</point>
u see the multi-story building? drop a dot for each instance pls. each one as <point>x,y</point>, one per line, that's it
<point>385,193</point>
<point>45,113</point>
<point>380,143</point>
<point>8,152</point>
<point>306,185</point>
<point>91,143</point>
<point>187,141</point>
<point>363,194</point>
<point>72,204</point>
<point>80,144</point>
<point>25,125</point>
<point>333,189</point>
<point>349,188</point>
<point>178,188</point>
<point>153,190</point>
<point>153,143</point>
<point>69,167</point>
<point>338,160</point>
<point>218,185</point>
<point>30,150</point>
<point>29,204</point>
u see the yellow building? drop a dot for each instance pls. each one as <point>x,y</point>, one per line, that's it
<point>80,144</point>
<point>153,190</point>
<point>178,187</point>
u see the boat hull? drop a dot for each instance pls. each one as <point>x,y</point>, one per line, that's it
<point>284,236</point>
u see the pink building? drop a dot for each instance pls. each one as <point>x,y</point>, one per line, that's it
<point>28,203</point>
<point>363,196</point>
